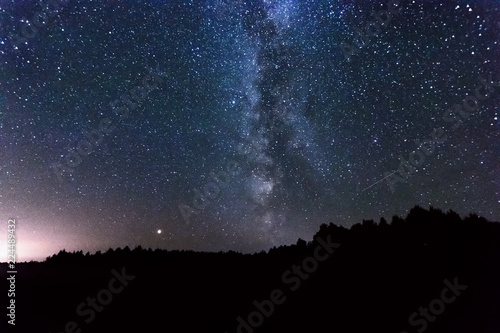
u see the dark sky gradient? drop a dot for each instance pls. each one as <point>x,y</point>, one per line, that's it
<point>255,104</point>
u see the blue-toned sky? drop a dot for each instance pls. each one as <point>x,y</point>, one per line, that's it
<point>242,125</point>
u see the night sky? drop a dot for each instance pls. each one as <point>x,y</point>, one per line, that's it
<point>241,125</point>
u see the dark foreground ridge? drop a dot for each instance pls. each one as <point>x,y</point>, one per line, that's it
<point>430,272</point>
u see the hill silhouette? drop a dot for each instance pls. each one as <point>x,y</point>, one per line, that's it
<point>432,271</point>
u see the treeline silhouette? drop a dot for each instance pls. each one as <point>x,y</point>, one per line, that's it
<point>374,281</point>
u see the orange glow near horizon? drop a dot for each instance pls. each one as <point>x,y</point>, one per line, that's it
<point>33,243</point>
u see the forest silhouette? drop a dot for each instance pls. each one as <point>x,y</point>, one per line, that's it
<point>378,275</point>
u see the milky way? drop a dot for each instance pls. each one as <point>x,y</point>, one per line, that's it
<point>273,132</point>
<point>241,125</point>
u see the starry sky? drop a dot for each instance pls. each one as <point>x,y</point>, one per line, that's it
<point>241,125</point>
